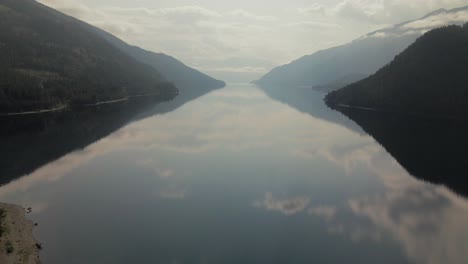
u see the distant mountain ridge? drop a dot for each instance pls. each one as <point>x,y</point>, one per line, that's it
<point>173,70</point>
<point>184,77</point>
<point>361,57</point>
<point>429,78</point>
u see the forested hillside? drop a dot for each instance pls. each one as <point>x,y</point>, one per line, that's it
<point>48,59</point>
<point>430,77</point>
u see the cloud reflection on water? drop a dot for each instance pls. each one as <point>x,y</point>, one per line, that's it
<point>427,221</point>
<point>288,206</point>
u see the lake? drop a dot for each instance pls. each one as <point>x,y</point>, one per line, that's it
<point>239,176</point>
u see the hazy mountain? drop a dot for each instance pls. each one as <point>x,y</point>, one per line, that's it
<point>184,77</point>
<point>429,78</point>
<point>361,57</point>
<point>49,59</point>
<point>337,84</point>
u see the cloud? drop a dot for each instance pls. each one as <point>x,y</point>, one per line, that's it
<point>202,36</point>
<point>159,169</point>
<point>173,194</point>
<point>381,12</point>
<point>361,154</point>
<point>196,128</point>
<point>315,24</point>
<point>239,13</point>
<point>190,11</point>
<point>421,26</point>
<point>368,11</point>
<point>438,20</point>
<point>365,154</point>
<point>290,206</point>
<point>314,8</point>
<point>191,33</point>
<point>327,212</point>
<point>429,223</point>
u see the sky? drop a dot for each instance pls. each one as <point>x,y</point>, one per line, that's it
<point>244,39</point>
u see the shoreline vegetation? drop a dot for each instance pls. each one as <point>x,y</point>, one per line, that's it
<point>59,108</point>
<point>35,112</point>
<point>17,243</point>
<point>403,113</point>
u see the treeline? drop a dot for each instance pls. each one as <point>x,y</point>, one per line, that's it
<point>48,59</point>
<point>430,77</point>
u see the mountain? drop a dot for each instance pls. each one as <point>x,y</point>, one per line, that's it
<point>48,59</point>
<point>337,84</point>
<point>361,57</point>
<point>428,78</point>
<point>186,79</point>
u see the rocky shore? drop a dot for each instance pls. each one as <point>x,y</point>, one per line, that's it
<point>17,244</point>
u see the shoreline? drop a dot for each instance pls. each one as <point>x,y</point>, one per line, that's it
<point>63,107</point>
<point>17,243</point>
<point>412,114</point>
<point>36,112</point>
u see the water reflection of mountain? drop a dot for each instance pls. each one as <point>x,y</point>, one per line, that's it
<point>307,100</point>
<point>433,150</point>
<point>29,142</point>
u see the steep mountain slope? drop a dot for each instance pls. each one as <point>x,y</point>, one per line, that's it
<point>185,78</point>
<point>430,78</point>
<point>48,59</point>
<point>361,57</point>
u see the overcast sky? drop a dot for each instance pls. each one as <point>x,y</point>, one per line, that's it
<point>244,36</point>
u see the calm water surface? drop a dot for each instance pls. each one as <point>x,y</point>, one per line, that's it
<point>237,177</point>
